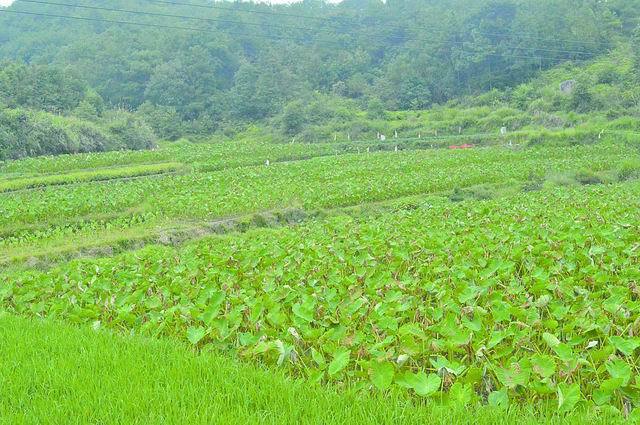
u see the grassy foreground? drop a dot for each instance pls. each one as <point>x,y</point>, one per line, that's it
<point>52,373</point>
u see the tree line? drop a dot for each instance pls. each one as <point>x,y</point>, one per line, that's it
<point>250,62</point>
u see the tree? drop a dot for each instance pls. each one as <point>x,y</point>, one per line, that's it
<point>293,118</point>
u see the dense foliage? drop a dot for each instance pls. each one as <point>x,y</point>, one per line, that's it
<point>28,133</point>
<point>502,275</point>
<point>249,62</point>
<point>503,301</point>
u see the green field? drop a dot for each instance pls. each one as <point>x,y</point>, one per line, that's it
<point>54,373</point>
<point>490,285</point>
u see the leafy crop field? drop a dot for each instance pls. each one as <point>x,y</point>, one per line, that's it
<point>497,277</point>
<point>41,220</point>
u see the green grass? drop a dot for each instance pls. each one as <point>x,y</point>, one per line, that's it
<point>52,374</point>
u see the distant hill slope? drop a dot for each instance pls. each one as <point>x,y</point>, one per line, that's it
<point>248,61</point>
<point>311,69</point>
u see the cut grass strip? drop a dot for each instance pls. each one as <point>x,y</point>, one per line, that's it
<point>12,185</point>
<point>52,373</point>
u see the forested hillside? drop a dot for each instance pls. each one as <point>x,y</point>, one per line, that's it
<point>200,67</point>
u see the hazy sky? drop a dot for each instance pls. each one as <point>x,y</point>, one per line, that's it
<point>8,2</point>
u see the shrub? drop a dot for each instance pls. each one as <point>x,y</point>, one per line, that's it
<point>628,170</point>
<point>25,133</point>
<point>587,177</point>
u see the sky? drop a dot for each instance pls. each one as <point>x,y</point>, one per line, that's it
<point>8,2</point>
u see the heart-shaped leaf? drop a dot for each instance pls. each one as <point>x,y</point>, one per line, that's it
<point>625,346</point>
<point>382,374</point>
<point>568,397</point>
<point>339,362</point>
<point>195,335</point>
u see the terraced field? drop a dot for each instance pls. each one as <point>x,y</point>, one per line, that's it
<point>84,214</point>
<point>488,277</point>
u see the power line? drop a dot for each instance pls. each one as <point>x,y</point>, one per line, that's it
<point>281,27</point>
<point>140,24</point>
<point>162,26</point>
<point>352,22</point>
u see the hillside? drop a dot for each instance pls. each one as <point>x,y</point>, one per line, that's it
<point>238,63</point>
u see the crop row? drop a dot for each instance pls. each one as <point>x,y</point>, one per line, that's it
<point>88,176</point>
<point>317,183</point>
<point>534,297</point>
<point>203,156</point>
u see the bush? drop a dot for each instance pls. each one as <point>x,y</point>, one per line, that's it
<point>24,133</point>
<point>629,170</point>
<point>130,132</point>
<point>587,177</point>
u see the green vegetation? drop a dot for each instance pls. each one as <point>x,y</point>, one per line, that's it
<point>477,307</point>
<point>353,270</point>
<point>26,133</point>
<point>389,212</point>
<point>308,72</point>
<point>53,218</point>
<point>99,377</point>
<point>11,185</point>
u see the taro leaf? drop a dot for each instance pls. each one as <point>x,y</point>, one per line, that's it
<point>382,374</point>
<point>625,346</point>
<point>551,340</point>
<point>499,399</point>
<point>634,417</point>
<point>564,352</point>
<point>614,303</point>
<point>460,337</point>
<point>213,309</point>
<point>496,338</point>
<point>474,325</point>
<point>195,335</point>
<point>318,358</point>
<point>460,394</point>
<point>619,369</point>
<point>424,385</point>
<point>543,365</point>
<point>468,294</point>
<point>315,376</point>
<point>339,362</point>
<point>404,379</point>
<point>607,389</point>
<point>285,352</point>
<point>153,303</point>
<point>568,397</point>
<point>516,374</point>
<point>246,338</point>
<point>304,311</point>
<point>440,363</point>
<point>601,397</point>
<point>543,387</point>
